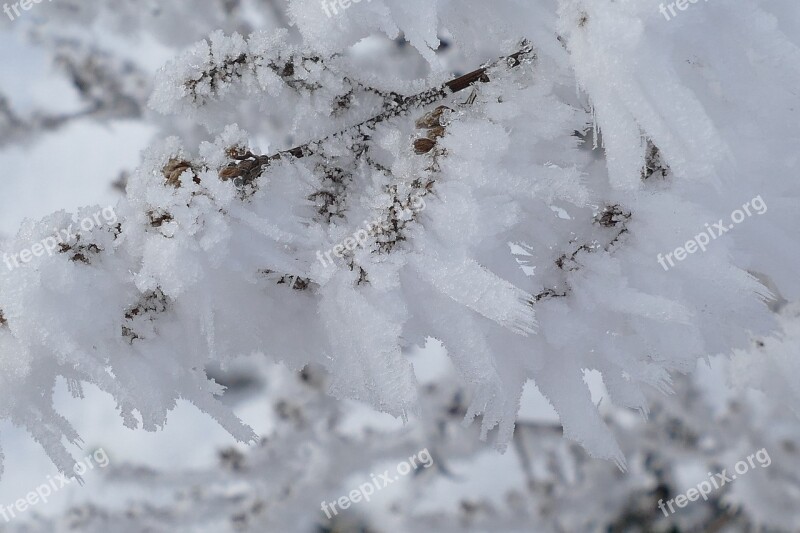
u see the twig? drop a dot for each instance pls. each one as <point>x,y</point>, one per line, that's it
<point>251,167</point>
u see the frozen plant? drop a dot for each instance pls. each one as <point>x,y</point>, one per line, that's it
<point>215,252</point>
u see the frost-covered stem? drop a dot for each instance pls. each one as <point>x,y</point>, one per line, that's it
<point>611,217</point>
<point>251,166</point>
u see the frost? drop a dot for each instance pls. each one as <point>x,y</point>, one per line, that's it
<point>221,245</point>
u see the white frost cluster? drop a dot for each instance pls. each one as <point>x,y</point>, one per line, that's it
<point>216,254</point>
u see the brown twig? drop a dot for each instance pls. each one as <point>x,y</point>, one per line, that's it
<point>250,167</point>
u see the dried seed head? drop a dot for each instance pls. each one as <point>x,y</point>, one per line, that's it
<point>173,169</point>
<point>424,145</point>
<point>248,165</point>
<point>432,119</point>
<point>229,172</point>
<point>435,133</point>
<point>156,220</point>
